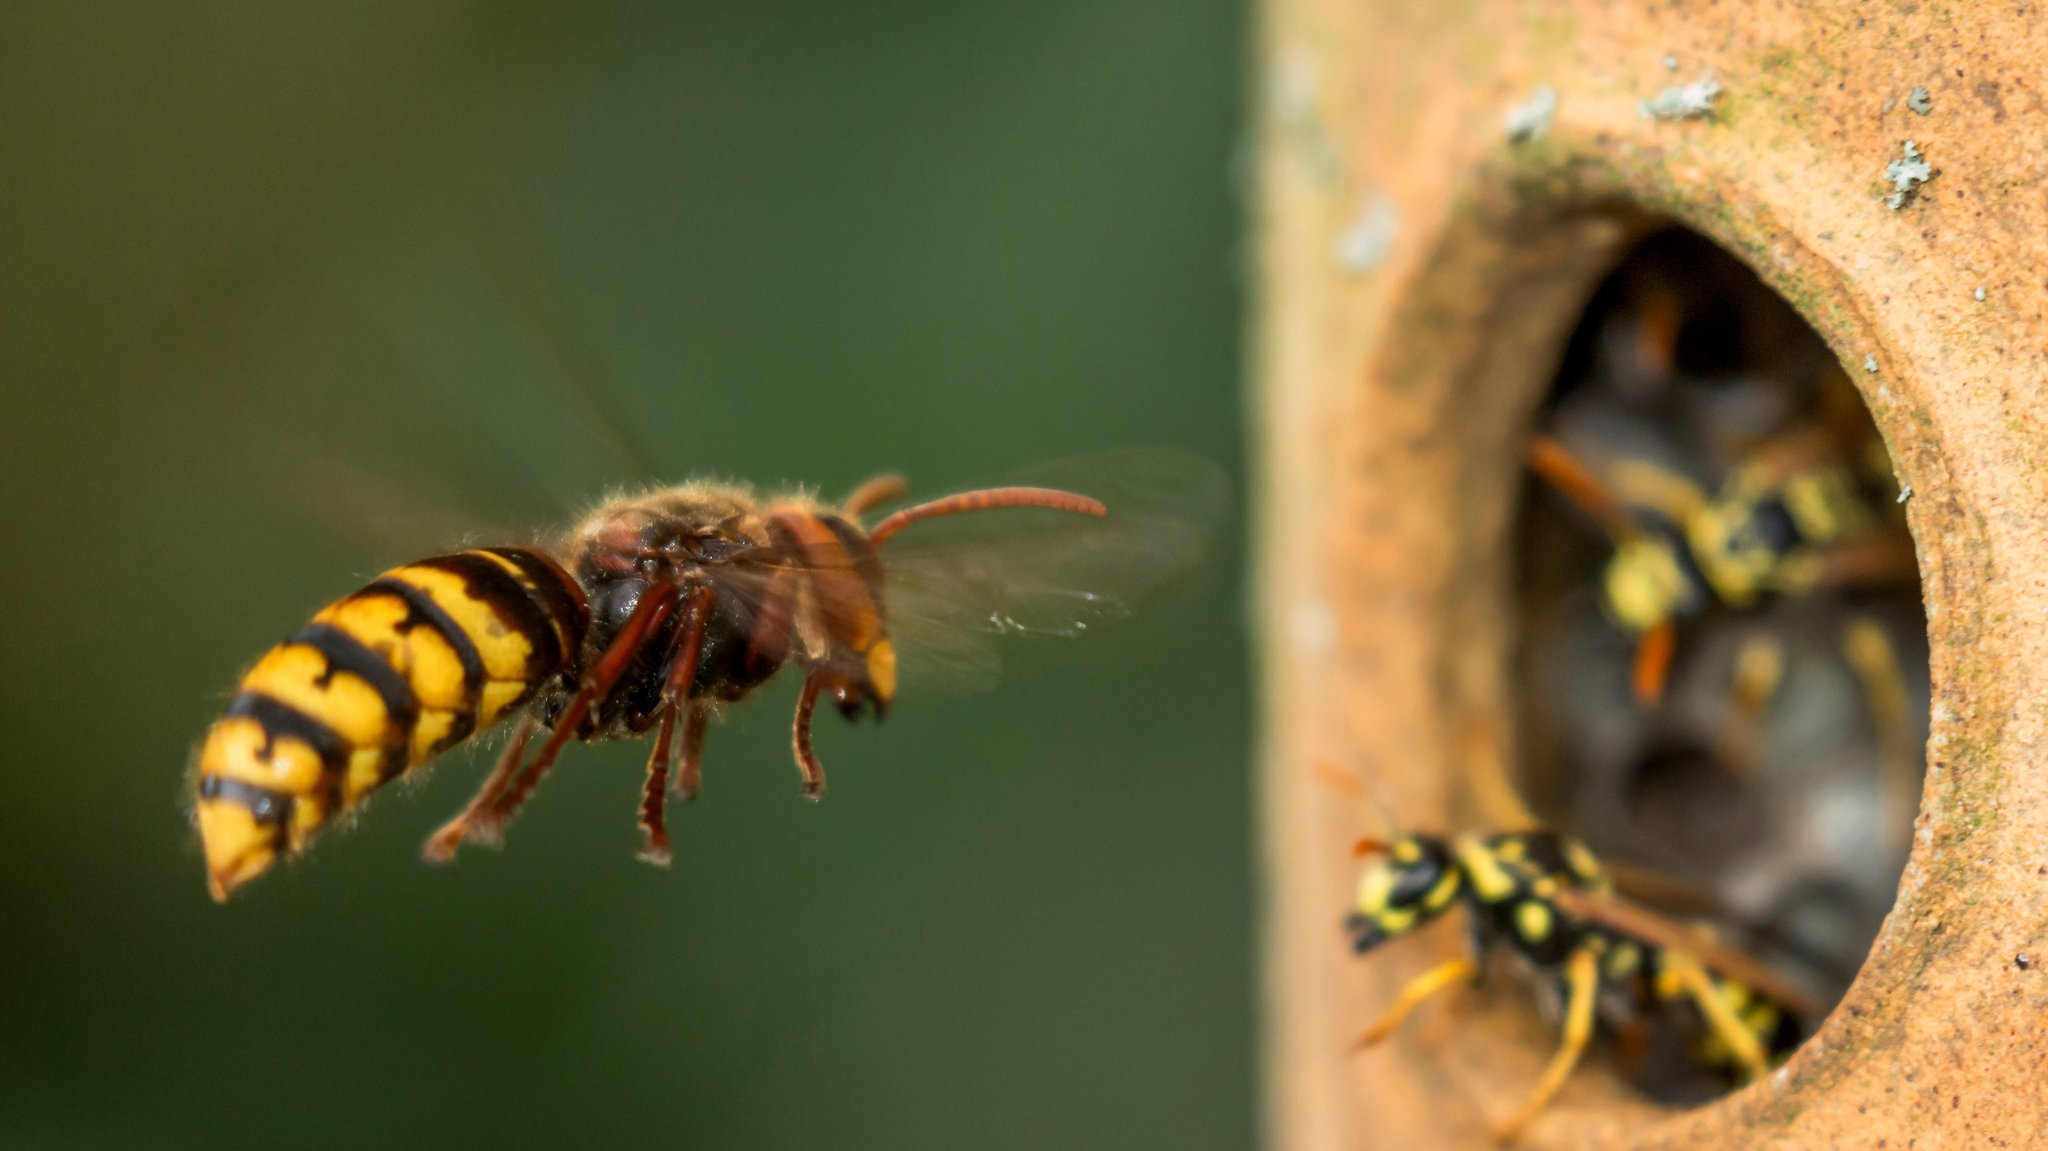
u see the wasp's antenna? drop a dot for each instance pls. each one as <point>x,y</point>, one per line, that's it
<point>1369,847</point>
<point>1352,785</point>
<point>1555,465</point>
<point>1487,769</point>
<point>987,498</point>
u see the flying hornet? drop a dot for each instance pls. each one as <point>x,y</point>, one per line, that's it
<point>652,615</point>
<point>1548,901</point>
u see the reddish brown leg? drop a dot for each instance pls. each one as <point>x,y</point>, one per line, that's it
<point>653,817</point>
<point>875,492</point>
<point>656,605</point>
<point>806,759</point>
<point>682,673</point>
<point>684,654</point>
<point>689,757</point>
<point>441,845</point>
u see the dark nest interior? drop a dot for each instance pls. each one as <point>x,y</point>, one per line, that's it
<point>1764,778</point>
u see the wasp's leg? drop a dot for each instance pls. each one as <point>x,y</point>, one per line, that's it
<point>1582,982</point>
<point>1450,973</point>
<point>1632,1047</point>
<point>1876,662</point>
<point>1759,669</point>
<point>1682,974</point>
<point>1887,560</point>
<point>486,816</point>
<point>872,494</point>
<point>800,738</point>
<point>1652,670</point>
<point>439,848</point>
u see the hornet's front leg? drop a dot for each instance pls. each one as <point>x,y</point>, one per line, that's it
<point>806,758</point>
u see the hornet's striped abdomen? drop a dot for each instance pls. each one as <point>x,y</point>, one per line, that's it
<point>380,681</point>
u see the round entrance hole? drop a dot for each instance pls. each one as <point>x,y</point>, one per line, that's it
<point>1399,382</point>
<point>1708,484</point>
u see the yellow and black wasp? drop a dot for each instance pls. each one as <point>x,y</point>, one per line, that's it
<point>1752,576</point>
<point>1544,897</point>
<point>1794,516</point>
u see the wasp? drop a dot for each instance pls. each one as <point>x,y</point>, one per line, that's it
<point>1789,519</point>
<point>1545,898</point>
<point>650,616</point>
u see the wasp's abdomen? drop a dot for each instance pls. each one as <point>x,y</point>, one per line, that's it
<point>380,681</point>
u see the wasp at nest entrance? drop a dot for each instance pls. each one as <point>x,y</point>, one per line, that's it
<point>1723,656</point>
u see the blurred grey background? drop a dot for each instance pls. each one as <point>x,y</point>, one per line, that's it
<point>283,287</point>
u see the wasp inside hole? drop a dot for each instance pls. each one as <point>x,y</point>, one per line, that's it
<point>1543,899</point>
<point>1725,679</point>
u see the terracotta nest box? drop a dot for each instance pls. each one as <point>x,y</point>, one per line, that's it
<point>1441,188</point>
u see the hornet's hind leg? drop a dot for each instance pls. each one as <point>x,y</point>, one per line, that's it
<point>440,847</point>
<point>486,816</point>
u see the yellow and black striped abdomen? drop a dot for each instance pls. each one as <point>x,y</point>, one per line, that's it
<point>380,681</point>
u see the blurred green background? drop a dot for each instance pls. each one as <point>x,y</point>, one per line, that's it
<point>272,272</point>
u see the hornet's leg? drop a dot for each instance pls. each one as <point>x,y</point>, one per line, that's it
<point>438,851</point>
<point>682,674</point>
<point>807,759</point>
<point>690,754</point>
<point>684,654</point>
<point>653,814</point>
<point>1450,973</point>
<point>487,821</point>
<point>1582,981</point>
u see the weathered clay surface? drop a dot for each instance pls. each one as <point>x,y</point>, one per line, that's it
<point>1420,271</point>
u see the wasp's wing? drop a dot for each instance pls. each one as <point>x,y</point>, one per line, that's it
<point>1646,926</point>
<point>957,586</point>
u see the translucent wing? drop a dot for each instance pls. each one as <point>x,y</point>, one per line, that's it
<point>335,416</point>
<point>1649,927</point>
<point>958,586</point>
